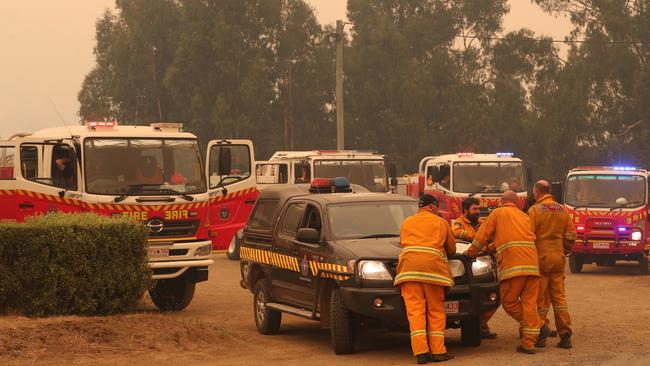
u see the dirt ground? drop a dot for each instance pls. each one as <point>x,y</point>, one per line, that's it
<point>610,307</point>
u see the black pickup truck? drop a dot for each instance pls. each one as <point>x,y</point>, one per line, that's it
<point>329,253</point>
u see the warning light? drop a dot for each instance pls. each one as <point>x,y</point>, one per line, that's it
<point>100,124</point>
<point>505,154</point>
<point>625,168</point>
<point>462,154</point>
<point>334,185</point>
<point>580,228</point>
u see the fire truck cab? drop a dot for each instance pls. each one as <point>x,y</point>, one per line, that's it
<point>609,207</point>
<point>364,168</point>
<point>153,174</point>
<point>454,177</point>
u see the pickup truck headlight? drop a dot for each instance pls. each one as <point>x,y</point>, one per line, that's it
<point>374,270</point>
<point>482,265</point>
<point>457,268</point>
<point>636,235</point>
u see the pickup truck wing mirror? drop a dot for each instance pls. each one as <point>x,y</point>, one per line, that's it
<point>308,235</point>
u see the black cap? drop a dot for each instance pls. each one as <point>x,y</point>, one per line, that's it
<point>426,200</point>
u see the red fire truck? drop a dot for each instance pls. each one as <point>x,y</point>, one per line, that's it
<point>454,177</point>
<point>154,174</point>
<point>609,206</point>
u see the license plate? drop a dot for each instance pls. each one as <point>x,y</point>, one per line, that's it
<point>601,245</point>
<point>157,252</point>
<point>451,307</point>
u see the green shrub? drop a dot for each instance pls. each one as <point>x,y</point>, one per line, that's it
<point>82,264</point>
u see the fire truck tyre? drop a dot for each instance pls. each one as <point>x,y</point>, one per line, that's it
<point>470,332</point>
<point>343,330</point>
<point>643,265</point>
<point>575,263</point>
<point>174,294</point>
<point>267,320</point>
<point>233,249</point>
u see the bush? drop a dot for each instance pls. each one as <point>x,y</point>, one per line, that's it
<point>82,264</point>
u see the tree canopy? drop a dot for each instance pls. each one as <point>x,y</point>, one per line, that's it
<point>422,77</point>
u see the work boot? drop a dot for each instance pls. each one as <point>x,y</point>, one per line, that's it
<point>544,332</point>
<point>486,334</point>
<point>565,341</point>
<point>527,351</point>
<point>441,357</point>
<point>422,358</point>
<point>541,343</point>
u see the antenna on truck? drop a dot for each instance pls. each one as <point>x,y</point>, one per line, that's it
<point>60,116</point>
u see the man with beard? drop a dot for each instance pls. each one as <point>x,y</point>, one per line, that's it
<point>465,228</point>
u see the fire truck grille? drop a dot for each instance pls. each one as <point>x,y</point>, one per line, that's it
<point>177,228</point>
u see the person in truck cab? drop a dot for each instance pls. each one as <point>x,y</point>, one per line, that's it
<point>63,175</point>
<point>555,234</point>
<point>424,277</point>
<point>465,228</point>
<point>148,171</point>
<point>518,267</point>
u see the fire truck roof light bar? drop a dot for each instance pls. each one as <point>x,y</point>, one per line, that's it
<point>505,154</point>
<point>462,154</point>
<point>615,168</point>
<point>101,124</point>
<point>625,168</point>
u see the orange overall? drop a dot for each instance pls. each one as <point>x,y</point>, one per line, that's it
<point>555,234</point>
<point>518,267</point>
<point>422,275</point>
<point>464,229</point>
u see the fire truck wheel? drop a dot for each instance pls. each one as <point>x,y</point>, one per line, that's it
<point>643,265</point>
<point>575,263</point>
<point>470,332</point>
<point>343,328</point>
<point>267,320</point>
<point>233,249</point>
<point>174,294</point>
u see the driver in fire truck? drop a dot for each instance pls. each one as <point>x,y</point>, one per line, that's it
<point>465,228</point>
<point>63,173</point>
<point>148,172</point>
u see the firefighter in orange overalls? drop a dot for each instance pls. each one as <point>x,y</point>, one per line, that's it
<point>518,266</point>
<point>555,234</point>
<point>464,228</point>
<point>423,276</point>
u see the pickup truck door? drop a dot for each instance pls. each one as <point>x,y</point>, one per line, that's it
<point>8,163</point>
<point>232,188</point>
<point>299,285</point>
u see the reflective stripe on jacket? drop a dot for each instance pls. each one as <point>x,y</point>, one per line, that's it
<point>513,241</point>
<point>426,239</point>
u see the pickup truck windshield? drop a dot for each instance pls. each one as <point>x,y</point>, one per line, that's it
<point>360,220</point>
<point>370,174</point>
<point>117,166</point>
<point>488,177</point>
<point>605,191</point>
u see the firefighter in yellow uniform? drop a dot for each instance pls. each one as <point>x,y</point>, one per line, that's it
<point>464,228</point>
<point>518,266</point>
<point>423,276</point>
<point>555,234</point>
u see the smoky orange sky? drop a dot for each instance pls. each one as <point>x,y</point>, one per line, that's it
<point>46,50</point>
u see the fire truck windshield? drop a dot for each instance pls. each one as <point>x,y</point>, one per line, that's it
<point>605,190</point>
<point>370,174</point>
<point>486,177</point>
<point>113,166</point>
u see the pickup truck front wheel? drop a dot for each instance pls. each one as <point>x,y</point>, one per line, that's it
<point>267,320</point>
<point>343,329</point>
<point>470,332</point>
<point>174,294</point>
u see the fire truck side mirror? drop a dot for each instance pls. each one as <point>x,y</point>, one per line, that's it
<point>557,190</point>
<point>393,174</point>
<point>225,161</point>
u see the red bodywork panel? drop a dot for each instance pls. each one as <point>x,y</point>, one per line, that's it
<point>229,214</point>
<point>598,231</point>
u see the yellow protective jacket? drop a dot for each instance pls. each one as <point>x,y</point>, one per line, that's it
<point>463,229</point>
<point>426,239</point>
<point>513,240</point>
<point>554,231</point>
